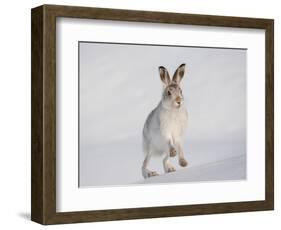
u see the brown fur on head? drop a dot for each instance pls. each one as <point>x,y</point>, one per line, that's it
<point>172,94</point>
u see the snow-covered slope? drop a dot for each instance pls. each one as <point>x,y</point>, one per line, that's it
<point>208,161</point>
<point>228,169</point>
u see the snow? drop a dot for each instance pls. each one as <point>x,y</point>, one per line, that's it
<point>207,161</point>
<point>228,169</point>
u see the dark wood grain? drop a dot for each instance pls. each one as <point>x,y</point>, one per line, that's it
<point>37,116</point>
<point>155,17</point>
<point>269,114</point>
<point>43,160</point>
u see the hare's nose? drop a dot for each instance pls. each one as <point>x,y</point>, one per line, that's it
<point>178,100</point>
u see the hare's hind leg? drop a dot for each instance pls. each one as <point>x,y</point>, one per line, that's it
<point>168,167</point>
<point>145,171</point>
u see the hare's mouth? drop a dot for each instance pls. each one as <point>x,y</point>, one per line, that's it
<point>178,103</point>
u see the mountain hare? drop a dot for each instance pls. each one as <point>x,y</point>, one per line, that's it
<point>164,127</point>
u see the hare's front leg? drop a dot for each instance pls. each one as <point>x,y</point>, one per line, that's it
<point>145,171</point>
<point>168,167</point>
<point>182,160</point>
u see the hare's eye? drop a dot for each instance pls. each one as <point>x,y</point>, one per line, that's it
<point>169,93</point>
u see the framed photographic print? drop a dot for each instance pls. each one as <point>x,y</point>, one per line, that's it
<point>139,114</point>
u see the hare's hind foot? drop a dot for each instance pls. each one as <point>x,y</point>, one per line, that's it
<point>170,169</point>
<point>152,173</point>
<point>148,173</point>
<point>183,162</point>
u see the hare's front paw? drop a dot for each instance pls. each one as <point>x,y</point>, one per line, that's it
<point>183,162</point>
<point>173,152</point>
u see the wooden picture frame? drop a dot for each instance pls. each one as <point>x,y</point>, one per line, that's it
<point>43,160</point>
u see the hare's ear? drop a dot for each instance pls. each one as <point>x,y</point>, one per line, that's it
<point>164,75</point>
<point>178,75</point>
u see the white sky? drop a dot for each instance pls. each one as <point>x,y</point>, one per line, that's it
<point>120,85</point>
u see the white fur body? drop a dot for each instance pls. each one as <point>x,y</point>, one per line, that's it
<point>164,127</point>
